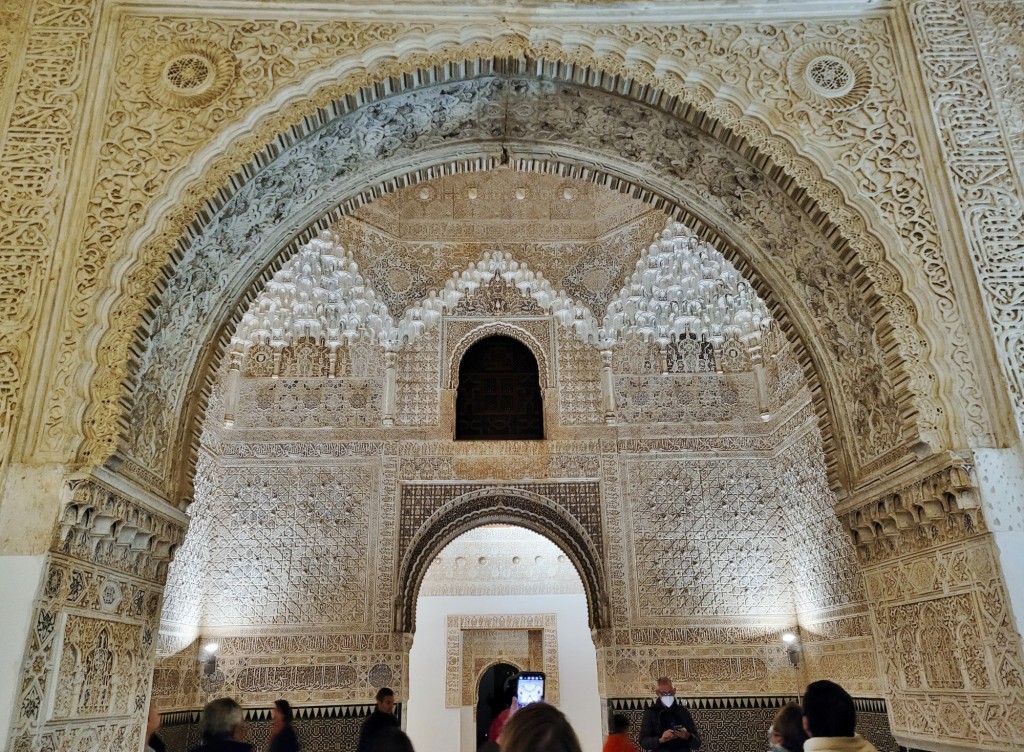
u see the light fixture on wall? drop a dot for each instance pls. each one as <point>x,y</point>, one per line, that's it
<point>793,648</point>
<point>208,657</point>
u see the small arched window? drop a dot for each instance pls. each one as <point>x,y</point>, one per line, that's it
<point>499,392</point>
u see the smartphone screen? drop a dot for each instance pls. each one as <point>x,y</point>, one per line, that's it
<point>530,689</point>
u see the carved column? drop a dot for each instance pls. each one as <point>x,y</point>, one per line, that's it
<point>948,649</point>
<point>608,387</point>
<point>231,388</point>
<point>761,385</point>
<point>91,648</point>
<point>390,386</point>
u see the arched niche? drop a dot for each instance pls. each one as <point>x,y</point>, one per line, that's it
<point>497,329</point>
<point>498,396</point>
<point>508,506</point>
<point>800,263</point>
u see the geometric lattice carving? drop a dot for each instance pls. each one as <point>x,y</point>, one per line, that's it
<point>190,74</point>
<point>829,76</point>
<point>309,403</point>
<point>676,398</point>
<point>287,544</point>
<point>419,501</point>
<point>706,538</point>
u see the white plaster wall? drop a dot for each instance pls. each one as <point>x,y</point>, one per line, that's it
<point>1000,474</point>
<point>19,582</point>
<point>435,728</point>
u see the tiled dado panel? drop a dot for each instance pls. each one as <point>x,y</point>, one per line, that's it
<point>323,728</point>
<point>740,724</point>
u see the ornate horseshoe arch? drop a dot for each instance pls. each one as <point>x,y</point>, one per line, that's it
<point>491,329</point>
<point>512,506</point>
<point>717,211</point>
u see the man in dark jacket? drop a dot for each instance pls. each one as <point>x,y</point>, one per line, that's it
<point>667,725</point>
<point>382,718</point>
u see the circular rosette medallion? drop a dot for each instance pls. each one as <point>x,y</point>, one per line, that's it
<point>829,76</point>
<point>189,74</point>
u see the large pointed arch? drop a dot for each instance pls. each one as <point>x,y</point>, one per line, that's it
<point>891,325</point>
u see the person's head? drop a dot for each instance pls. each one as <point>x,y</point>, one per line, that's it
<point>828,710</point>
<point>620,724</point>
<point>391,740</point>
<point>788,728</point>
<point>665,691</point>
<point>539,728</point>
<point>386,700</point>
<point>282,712</point>
<point>221,719</point>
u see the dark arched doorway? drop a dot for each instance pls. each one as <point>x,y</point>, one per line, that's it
<point>492,697</point>
<point>499,392</point>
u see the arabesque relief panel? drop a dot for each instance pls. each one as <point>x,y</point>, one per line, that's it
<point>945,633</point>
<point>43,74</point>
<point>314,667</point>
<point>969,55</point>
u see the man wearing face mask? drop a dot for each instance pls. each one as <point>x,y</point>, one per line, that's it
<point>667,725</point>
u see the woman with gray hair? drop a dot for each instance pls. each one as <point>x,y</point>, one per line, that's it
<point>220,727</point>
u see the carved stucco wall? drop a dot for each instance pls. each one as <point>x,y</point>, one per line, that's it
<point>714,550</point>
<point>940,606</point>
<point>76,201</point>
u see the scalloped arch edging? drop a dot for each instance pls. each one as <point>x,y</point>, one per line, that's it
<point>397,71</point>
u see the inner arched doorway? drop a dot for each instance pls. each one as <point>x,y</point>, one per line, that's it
<point>498,594</point>
<point>494,694</point>
<point>662,512</point>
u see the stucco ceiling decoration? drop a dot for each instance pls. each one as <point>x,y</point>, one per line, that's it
<point>682,288</point>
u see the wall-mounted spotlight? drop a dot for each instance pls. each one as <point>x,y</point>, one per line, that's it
<point>208,657</point>
<point>793,648</point>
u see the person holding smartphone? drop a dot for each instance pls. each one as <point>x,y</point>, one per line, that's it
<point>667,725</point>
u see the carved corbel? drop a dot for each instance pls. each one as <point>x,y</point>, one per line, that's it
<point>102,526</point>
<point>910,515</point>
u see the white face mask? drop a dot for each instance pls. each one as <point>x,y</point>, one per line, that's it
<point>667,700</point>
